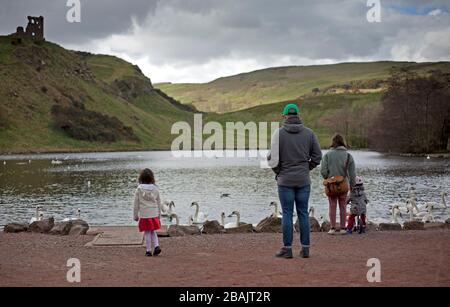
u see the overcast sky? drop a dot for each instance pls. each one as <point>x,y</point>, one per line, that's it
<point>200,40</point>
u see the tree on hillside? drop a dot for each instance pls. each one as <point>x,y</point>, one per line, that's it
<point>415,113</point>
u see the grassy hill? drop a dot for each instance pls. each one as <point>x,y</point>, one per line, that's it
<point>53,99</point>
<point>286,83</point>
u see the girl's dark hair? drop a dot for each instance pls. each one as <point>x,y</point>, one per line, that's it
<point>337,140</point>
<point>146,177</point>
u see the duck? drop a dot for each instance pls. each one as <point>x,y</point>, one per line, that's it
<point>77,218</point>
<point>275,213</point>
<point>4,162</point>
<point>89,184</point>
<point>38,216</point>
<point>167,208</point>
<point>222,195</point>
<point>199,217</point>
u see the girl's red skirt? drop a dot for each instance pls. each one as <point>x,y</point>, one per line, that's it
<point>149,224</point>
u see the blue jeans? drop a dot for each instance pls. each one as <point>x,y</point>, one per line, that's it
<point>287,197</point>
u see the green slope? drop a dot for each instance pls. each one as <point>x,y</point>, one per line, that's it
<point>284,83</point>
<point>36,77</point>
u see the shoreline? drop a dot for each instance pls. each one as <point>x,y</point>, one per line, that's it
<point>439,155</point>
<point>230,260</point>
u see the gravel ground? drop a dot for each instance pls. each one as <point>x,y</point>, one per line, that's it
<point>408,258</point>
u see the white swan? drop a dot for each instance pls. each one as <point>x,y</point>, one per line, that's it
<point>4,162</point>
<point>428,217</point>
<point>312,211</point>
<point>38,215</point>
<point>234,224</point>
<point>166,209</point>
<point>275,213</point>
<point>395,213</point>
<point>56,162</point>
<point>199,217</point>
<point>442,205</point>
<point>77,218</point>
<point>174,216</point>
<point>222,219</point>
<point>410,211</point>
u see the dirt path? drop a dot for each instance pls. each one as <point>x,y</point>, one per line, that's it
<point>413,258</point>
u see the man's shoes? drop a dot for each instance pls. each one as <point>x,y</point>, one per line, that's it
<point>304,252</point>
<point>284,253</point>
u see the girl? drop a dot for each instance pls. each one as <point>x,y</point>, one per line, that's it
<point>358,201</point>
<point>147,210</point>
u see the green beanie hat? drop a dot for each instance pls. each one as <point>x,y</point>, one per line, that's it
<point>291,109</point>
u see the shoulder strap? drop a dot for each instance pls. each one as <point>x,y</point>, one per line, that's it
<point>347,163</point>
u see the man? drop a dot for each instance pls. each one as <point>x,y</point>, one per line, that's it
<point>295,151</point>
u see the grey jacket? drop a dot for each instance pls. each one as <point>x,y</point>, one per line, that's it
<point>358,200</point>
<point>295,151</point>
<point>333,164</point>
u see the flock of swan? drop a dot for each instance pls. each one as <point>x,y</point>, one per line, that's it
<point>423,213</point>
<point>39,216</point>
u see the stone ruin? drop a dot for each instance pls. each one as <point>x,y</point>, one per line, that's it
<point>34,30</point>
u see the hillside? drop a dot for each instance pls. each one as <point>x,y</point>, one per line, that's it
<point>53,99</point>
<point>286,83</point>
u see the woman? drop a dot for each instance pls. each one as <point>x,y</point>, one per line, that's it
<point>338,162</point>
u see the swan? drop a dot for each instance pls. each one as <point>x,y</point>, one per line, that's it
<point>199,217</point>
<point>275,213</point>
<point>89,184</point>
<point>167,208</point>
<point>222,219</point>
<point>428,217</point>
<point>4,162</point>
<point>312,211</point>
<point>38,215</point>
<point>77,218</point>
<point>174,216</point>
<point>234,224</point>
<point>442,205</point>
<point>56,162</point>
<point>395,213</point>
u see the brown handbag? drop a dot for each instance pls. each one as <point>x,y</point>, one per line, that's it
<point>337,185</point>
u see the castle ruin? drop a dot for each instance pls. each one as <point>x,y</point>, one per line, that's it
<point>34,29</point>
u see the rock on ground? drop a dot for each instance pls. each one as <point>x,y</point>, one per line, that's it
<point>243,228</point>
<point>180,231</point>
<point>212,227</point>
<point>43,226</point>
<point>79,228</point>
<point>314,225</point>
<point>435,225</point>
<point>413,225</point>
<point>269,224</point>
<point>61,228</point>
<point>15,228</point>
<point>389,227</point>
<point>447,222</point>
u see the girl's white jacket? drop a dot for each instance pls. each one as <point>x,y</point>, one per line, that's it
<point>147,203</point>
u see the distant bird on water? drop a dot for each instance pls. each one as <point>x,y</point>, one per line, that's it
<point>225,195</point>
